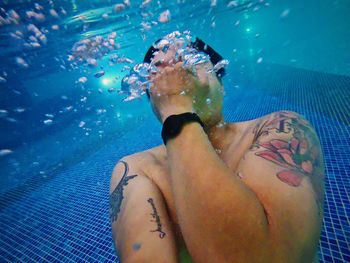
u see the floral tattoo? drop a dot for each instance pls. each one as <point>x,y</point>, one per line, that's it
<point>299,155</point>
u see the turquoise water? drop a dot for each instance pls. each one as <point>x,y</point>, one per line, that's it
<point>60,137</point>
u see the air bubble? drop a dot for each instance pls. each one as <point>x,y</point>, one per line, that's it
<point>99,74</point>
<point>3,113</point>
<point>48,122</point>
<point>137,81</point>
<point>4,152</point>
<point>164,17</point>
<point>83,80</point>
<point>285,13</point>
<point>119,7</point>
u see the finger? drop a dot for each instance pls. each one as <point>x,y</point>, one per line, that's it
<point>151,77</point>
<point>202,72</point>
<point>189,71</point>
<point>167,69</point>
<point>179,65</point>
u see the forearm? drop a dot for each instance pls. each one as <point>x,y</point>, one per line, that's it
<point>208,197</point>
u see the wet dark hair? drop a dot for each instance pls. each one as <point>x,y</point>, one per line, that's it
<point>198,44</point>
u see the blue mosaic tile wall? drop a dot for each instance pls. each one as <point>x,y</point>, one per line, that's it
<point>62,216</point>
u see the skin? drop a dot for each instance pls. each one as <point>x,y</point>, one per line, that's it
<point>231,192</point>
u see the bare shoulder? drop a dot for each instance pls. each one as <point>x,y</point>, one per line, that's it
<point>287,139</point>
<point>285,168</point>
<point>136,163</point>
<point>140,159</point>
<point>130,163</point>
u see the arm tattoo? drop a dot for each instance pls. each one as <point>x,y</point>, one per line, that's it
<point>116,197</point>
<point>157,219</point>
<point>300,154</point>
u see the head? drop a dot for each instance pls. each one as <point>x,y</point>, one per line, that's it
<point>207,101</point>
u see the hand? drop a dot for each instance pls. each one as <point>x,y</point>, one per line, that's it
<point>172,91</point>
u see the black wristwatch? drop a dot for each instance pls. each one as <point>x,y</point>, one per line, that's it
<point>172,126</point>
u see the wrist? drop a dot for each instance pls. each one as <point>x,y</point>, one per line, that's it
<point>175,123</point>
<point>174,111</point>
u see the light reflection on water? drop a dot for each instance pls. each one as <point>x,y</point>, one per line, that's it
<point>37,76</point>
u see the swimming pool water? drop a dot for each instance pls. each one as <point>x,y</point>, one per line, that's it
<point>54,185</point>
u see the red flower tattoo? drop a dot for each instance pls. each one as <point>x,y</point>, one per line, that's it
<point>297,156</point>
<point>293,156</point>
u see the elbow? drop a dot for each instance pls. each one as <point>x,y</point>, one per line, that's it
<point>248,227</point>
<point>244,213</point>
<point>231,232</point>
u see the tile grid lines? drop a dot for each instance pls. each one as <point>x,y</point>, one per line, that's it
<point>331,196</point>
<point>81,231</point>
<point>21,245</point>
<point>346,193</point>
<point>343,103</point>
<point>330,151</point>
<point>48,207</point>
<point>315,90</point>
<point>335,108</point>
<point>43,235</point>
<point>322,249</point>
<point>23,252</point>
<point>333,184</point>
<point>340,106</point>
<point>307,112</point>
<point>311,78</point>
<point>87,222</point>
<point>3,251</point>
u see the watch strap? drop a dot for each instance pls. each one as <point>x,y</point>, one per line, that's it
<point>173,124</point>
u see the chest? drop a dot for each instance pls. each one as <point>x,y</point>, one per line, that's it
<point>159,172</point>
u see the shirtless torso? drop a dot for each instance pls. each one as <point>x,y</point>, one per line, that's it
<point>156,168</point>
<point>277,156</point>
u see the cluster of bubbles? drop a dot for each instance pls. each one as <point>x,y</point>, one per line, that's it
<point>89,50</point>
<point>137,81</point>
<point>28,26</point>
<point>10,17</point>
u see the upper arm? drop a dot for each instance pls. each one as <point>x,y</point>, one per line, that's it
<point>140,223</point>
<point>284,167</point>
<point>287,140</point>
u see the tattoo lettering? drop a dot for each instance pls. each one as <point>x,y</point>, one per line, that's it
<point>284,127</point>
<point>116,197</point>
<point>157,219</point>
<point>280,124</point>
<point>299,155</point>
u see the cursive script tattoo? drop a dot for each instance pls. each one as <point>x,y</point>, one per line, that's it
<point>298,152</point>
<point>157,219</point>
<point>116,197</point>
